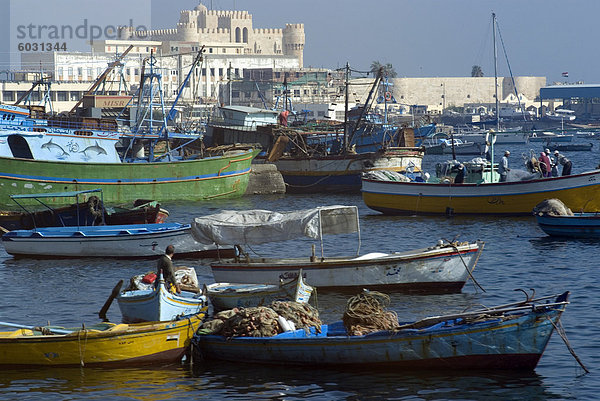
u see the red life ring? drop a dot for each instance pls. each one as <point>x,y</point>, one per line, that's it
<point>388,96</point>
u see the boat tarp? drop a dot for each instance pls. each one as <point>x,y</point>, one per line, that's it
<point>232,227</point>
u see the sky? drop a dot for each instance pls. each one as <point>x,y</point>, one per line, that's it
<point>420,38</point>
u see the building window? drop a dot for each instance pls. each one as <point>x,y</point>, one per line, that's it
<point>224,50</point>
<point>8,96</point>
<point>212,72</point>
<point>210,49</point>
<point>235,94</point>
<point>245,35</point>
<point>468,96</point>
<point>277,75</point>
<point>306,91</point>
<point>296,92</point>
<point>74,96</point>
<point>247,95</point>
<point>90,72</point>
<point>204,72</point>
<point>238,35</point>
<point>79,72</point>
<point>220,72</point>
<point>61,96</point>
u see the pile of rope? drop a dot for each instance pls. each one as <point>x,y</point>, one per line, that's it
<point>366,313</point>
<point>261,321</point>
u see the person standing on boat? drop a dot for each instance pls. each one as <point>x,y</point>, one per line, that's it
<point>460,176</point>
<point>165,265</point>
<point>545,165</point>
<point>566,163</point>
<point>553,162</point>
<point>503,166</point>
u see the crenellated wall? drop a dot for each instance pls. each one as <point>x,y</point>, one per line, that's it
<point>213,27</point>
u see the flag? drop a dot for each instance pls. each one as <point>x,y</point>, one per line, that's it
<point>565,74</point>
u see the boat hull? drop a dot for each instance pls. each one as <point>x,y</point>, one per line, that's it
<point>433,269</point>
<point>201,179</point>
<point>120,241</point>
<point>122,345</point>
<point>581,225</point>
<point>507,344</point>
<point>578,192</point>
<point>341,173</point>
<point>158,304</point>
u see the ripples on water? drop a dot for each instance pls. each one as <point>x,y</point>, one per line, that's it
<point>517,255</point>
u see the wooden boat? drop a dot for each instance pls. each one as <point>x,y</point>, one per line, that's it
<point>225,296</point>
<point>119,241</point>
<point>55,154</point>
<point>550,137</point>
<point>103,344</point>
<point>341,173</point>
<point>571,147</point>
<point>152,303</point>
<point>87,212</point>
<point>510,336</point>
<point>579,225</point>
<point>578,192</point>
<point>443,267</point>
<point>445,147</point>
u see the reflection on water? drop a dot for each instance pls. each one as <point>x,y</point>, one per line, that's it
<point>268,382</point>
<point>516,255</point>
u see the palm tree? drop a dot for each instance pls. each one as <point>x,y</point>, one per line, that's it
<point>476,71</point>
<point>388,69</point>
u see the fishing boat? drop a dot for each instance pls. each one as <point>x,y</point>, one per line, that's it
<point>578,225</point>
<point>87,211</point>
<point>443,267</point>
<point>570,147</point>
<point>342,172</point>
<point>128,161</point>
<point>118,241</point>
<point>225,296</point>
<point>454,146</point>
<point>548,137</point>
<point>511,337</point>
<point>152,303</point>
<point>102,344</point>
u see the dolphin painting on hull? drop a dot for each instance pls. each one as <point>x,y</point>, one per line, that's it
<point>51,146</point>
<point>94,148</point>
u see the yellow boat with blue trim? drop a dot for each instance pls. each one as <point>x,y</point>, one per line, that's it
<point>580,192</point>
<point>103,344</point>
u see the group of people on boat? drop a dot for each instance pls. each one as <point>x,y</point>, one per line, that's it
<point>549,164</point>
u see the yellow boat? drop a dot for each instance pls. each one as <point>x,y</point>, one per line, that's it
<point>580,192</point>
<point>98,345</point>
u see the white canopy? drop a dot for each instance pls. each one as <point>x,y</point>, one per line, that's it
<point>233,227</point>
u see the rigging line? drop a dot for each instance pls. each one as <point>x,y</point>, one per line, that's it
<point>509,69</point>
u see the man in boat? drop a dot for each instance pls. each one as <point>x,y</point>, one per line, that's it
<point>566,163</point>
<point>460,176</point>
<point>553,162</point>
<point>165,265</point>
<point>545,165</point>
<point>503,166</point>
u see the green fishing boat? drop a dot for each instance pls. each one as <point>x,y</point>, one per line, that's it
<point>201,179</point>
<point>150,157</point>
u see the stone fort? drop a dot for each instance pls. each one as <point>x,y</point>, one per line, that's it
<point>230,31</point>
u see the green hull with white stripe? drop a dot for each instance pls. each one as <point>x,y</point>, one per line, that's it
<point>202,179</point>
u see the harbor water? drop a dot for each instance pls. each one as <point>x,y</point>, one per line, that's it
<point>517,255</point>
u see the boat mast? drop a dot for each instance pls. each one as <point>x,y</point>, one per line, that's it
<point>346,108</point>
<point>496,73</point>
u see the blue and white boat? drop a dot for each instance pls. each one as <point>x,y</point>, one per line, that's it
<point>579,225</point>
<point>117,241</point>
<point>153,304</point>
<point>512,336</point>
<point>225,296</point>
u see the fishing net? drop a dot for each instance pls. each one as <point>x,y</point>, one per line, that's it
<point>366,313</point>
<point>303,316</point>
<point>552,207</point>
<point>261,321</point>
